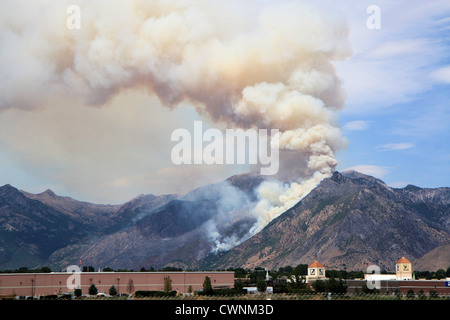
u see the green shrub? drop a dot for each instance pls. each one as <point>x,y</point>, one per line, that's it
<point>421,295</point>
<point>207,286</point>
<point>410,294</point>
<point>434,294</point>
<point>112,291</point>
<point>93,290</point>
<point>319,286</point>
<point>77,293</point>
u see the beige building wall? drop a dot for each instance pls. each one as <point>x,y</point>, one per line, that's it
<point>35,284</point>
<point>403,269</point>
<point>316,270</point>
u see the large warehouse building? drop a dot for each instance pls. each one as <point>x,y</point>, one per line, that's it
<point>38,284</point>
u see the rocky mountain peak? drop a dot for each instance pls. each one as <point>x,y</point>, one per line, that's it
<point>350,218</point>
<point>411,187</point>
<point>337,177</point>
<point>49,193</point>
<point>7,188</point>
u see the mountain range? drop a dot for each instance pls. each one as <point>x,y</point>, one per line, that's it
<point>349,221</point>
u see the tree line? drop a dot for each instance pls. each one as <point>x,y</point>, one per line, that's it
<point>302,270</point>
<point>252,274</point>
<point>88,269</point>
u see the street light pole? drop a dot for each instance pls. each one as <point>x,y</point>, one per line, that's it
<point>32,288</point>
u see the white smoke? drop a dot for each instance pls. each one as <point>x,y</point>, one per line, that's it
<point>271,67</point>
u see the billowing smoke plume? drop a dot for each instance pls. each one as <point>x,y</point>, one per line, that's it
<point>266,68</point>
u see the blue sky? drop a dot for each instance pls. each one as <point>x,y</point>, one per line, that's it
<point>406,145</point>
<point>396,117</point>
<point>397,113</point>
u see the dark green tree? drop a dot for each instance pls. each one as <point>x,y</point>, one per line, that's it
<point>238,285</point>
<point>93,290</point>
<point>440,274</point>
<point>298,276</point>
<point>239,272</point>
<point>167,284</point>
<point>300,282</point>
<point>77,293</point>
<point>319,286</point>
<point>207,287</point>
<point>88,269</point>
<point>261,285</point>
<point>433,294</point>
<point>257,273</point>
<point>46,270</point>
<point>171,269</point>
<point>280,286</point>
<point>421,295</point>
<point>112,291</point>
<point>285,270</point>
<point>22,270</point>
<point>336,286</point>
<point>301,269</point>
<point>365,289</point>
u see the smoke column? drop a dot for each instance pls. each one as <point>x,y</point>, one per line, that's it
<point>271,67</point>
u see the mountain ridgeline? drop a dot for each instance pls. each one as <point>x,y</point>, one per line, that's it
<point>349,221</point>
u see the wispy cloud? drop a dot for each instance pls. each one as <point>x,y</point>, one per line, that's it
<point>396,146</point>
<point>441,75</point>
<point>396,69</point>
<point>399,48</point>
<point>357,125</point>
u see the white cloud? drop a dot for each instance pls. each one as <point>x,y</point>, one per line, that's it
<point>357,125</point>
<point>393,65</point>
<point>441,75</point>
<point>396,146</point>
<point>399,48</point>
<point>371,170</point>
